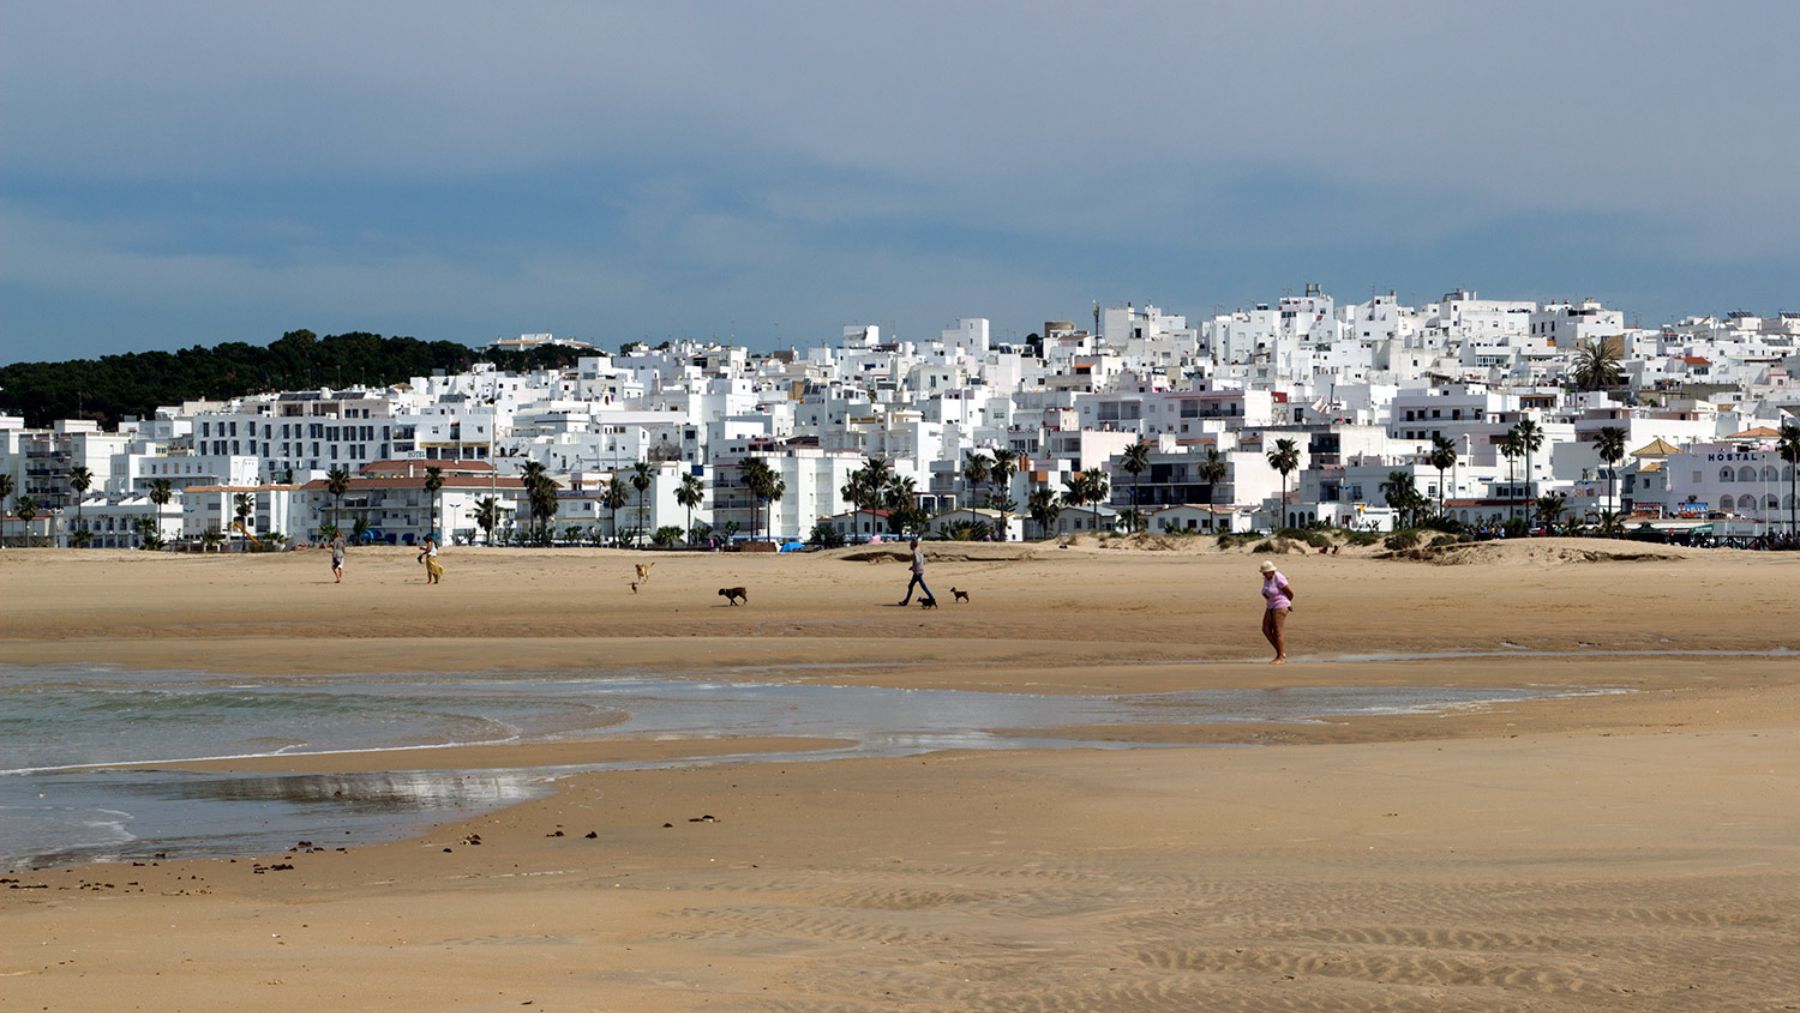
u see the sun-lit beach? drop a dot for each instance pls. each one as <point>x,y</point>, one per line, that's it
<point>1554,853</point>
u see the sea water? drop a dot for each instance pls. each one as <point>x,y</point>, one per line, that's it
<point>57,722</point>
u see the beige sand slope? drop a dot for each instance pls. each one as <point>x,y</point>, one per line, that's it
<point>1637,851</point>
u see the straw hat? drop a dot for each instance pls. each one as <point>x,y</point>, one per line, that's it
<point>1268,566</point>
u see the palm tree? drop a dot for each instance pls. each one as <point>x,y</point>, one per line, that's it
<point>211,538</point>
<point>533,475</point>
<point>1006,465</point>
<point>337,482</point>
<point>1610,445</point>
<point>757,477</point>
<point>149,533</point>
<point>1284,459</point>
<point>487,517</point>
<point>1097,488</point>
<point>1596,365</point>
<point>1212,470</point>
<point>1443,457</point>
<point>243,505</point>
<point>1402,496</point>
<point>6,490</point>
<point>900,497</point>
<point>26,508</point>
<point>1134,462</point>
<point>1511,447</point>
<point>434,480</point>
<point>773,492</point>
<point>617,494</point>
<point>1044,508</point>
<point>640,480</point>
<point>1531,438</point>
<point>79,480</point>
<point>1075,490</point>
<point>690,494</point>
<point>1549,508</point>
<point>976,469</point>
<point>1788,446</point>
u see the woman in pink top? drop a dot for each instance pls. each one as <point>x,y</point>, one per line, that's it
<point>1278,595</point>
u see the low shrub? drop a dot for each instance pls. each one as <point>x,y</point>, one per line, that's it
<point>1401,540</point>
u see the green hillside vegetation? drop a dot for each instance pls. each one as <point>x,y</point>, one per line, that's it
<point>114,386</point>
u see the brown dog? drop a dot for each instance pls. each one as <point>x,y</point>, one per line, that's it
<point>734,595</point>
<point>643,572</point>
<point>961,596</point>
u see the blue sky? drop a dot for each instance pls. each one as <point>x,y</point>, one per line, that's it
<point>184,173</point>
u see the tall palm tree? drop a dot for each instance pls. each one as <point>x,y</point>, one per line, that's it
<point>161,492</point>
<point>434,480</point>
<point>756,476</point>
<point>1134,462</point>
<point>690,494</point>
<point>1044,508</point>
<point>6,491</point>
<point>1097,489</point>
<point>534,476</point>
<point>1609,443</point>
<point>337,482</point>
<point>1788,446</point>
<point>773,492</point>
<point>1531,439</point>
<point>487,517</point>
<point>1511,447</point>
<point>1596,365</point>
<point>1007,463</point>
<point>617,494</point>
<point>243,505</point>
<point>640,480</point>
<point>1284,459</point>
<point>976,468</point>
<point>1212,470</point>
<point>79,480</point>
<point>1443,458</point>
<point>26,508</point>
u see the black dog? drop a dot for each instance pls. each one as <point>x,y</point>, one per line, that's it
<point>961,596</point>
<point>734,594</point>
<point>928,603</point>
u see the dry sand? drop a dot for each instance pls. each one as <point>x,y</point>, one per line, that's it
<point>1637,851</point>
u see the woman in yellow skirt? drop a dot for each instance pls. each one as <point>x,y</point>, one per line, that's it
<point>434,570</point>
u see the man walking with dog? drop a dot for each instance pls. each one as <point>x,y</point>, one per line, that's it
<point>918,575</point>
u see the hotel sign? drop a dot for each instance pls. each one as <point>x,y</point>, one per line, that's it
<point>1738,456</point>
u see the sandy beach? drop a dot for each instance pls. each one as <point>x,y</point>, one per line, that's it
<point>1632,850</point>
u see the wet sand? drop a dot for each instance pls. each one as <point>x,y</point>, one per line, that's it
<point>1638,851</point>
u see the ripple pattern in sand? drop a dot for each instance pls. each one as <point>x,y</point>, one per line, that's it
<point>1002,937</point>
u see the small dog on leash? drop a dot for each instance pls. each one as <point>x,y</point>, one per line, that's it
<point>961,596</point>
<point>734,595</point>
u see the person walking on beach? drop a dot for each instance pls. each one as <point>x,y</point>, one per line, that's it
<point>337,558</point>
<point>918,575</point>
<point>1278,601</point>
<point>434,571</point>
